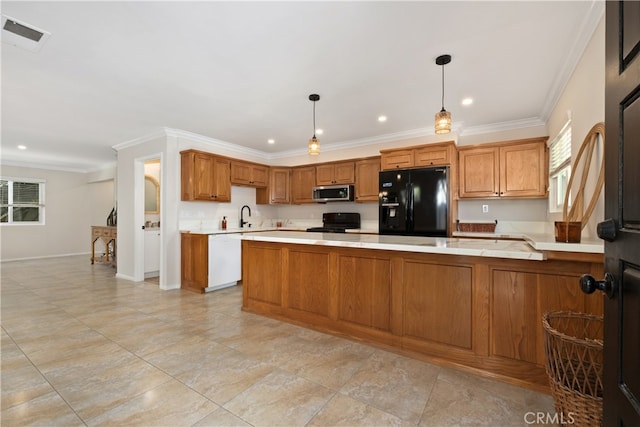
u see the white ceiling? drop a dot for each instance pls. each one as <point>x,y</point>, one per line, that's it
<point>242,72</point>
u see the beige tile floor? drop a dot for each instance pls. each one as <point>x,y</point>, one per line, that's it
<point>80,347</point>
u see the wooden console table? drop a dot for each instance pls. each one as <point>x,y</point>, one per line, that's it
<point>108,236</point>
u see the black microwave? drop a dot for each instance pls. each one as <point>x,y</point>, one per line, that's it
<point>333,193</point>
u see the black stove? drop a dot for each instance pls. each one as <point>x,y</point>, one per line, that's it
<point>337,222</point>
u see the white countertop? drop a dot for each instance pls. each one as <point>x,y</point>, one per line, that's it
<point>543,242</point>
<point>238,230</point>
<point>436,245</point>
<point>463,243</point>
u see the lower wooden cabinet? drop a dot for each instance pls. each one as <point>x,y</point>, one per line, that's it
<point>484,313</point>
<point>194,271</point>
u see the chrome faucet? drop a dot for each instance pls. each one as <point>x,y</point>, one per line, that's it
<point>242,221</point>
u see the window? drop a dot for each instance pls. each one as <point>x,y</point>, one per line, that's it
<point>559,168</point>
<point>21,201</point>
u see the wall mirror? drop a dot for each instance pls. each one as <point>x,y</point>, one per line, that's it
<point>151,195</point>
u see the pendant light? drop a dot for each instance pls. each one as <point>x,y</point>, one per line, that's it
<point>314,143</point>
<point>443,117</point>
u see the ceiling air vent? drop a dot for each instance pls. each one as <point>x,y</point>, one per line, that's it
<point>20,34</point>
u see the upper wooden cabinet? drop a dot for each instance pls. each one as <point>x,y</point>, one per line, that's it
<point>507,169</point>
<point>303,179</point>
<point>335,173</point>
<point>418,157</point>
<point>205,176</point>
<point>280,186</point>
<point>250,174</point>
<point>367,171</point>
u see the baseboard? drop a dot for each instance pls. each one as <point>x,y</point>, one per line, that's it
<point>48,256</point>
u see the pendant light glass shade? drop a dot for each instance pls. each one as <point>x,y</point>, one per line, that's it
<point>443,117</point>
<point>314,143</point>
<point>443,122</point>
<point>314,146</point>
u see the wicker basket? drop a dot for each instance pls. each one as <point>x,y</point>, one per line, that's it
<point>573,350</point>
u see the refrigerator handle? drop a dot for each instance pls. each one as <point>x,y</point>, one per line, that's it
<point>409,206</point>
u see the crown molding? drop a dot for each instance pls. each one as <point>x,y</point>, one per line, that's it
<point>216,143</point>
<point>140,140</point>
<point>503,126</point>
<point>46,166</point>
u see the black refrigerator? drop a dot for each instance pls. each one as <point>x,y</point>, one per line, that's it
<point>414,202</point>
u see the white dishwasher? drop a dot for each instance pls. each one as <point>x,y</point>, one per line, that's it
<point>225,256</point>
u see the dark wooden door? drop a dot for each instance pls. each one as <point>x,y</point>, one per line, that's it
<point>622,205</point>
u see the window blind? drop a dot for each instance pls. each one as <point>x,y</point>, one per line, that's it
<point>560,150</point>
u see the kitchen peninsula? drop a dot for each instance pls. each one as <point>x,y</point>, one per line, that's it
<point>465,302</point>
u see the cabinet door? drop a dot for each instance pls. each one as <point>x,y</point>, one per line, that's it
<point>325,175</point>
<point>367,172</point>
<point>523,170</point>
<point>344,173</point>
<point>241,173</point>
<point>222,180</point>
<point>151,251</point>
<point>302,183</point>
<point>280,186</point>
<point>259,176</point>
<point>479,172</point>
<point>187,173</point>
<point>203,177</point>
<point>194,261</point>
<point>432,156</point>
<point>398,159</point>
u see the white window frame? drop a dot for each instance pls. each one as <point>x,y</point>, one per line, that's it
<point>10,205</point>
<point>560,169</point>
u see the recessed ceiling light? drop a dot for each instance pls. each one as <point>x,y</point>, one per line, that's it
<point>319,131</point>
<point>271,141</point>
<point>22,147</point>
<point>382,119</point>
<point>467,101</point>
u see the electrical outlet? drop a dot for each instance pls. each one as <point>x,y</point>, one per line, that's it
<point>485,208</point>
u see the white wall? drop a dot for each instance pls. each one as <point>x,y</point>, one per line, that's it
<point>209,215</point>
<point>584,98</point>
<point>130,190</point>
<point>72,206</point>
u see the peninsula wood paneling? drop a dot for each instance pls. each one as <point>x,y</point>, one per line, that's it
<point>484,313</point>
<point>514,315</point>
<point>519,300</point>
<point>263,284</point>
<point>430,293</point>
<point>308,283</point>
<point>364,287</point>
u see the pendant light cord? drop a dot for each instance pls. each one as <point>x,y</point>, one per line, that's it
<point>314,119</point>
<point>442,87</point>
